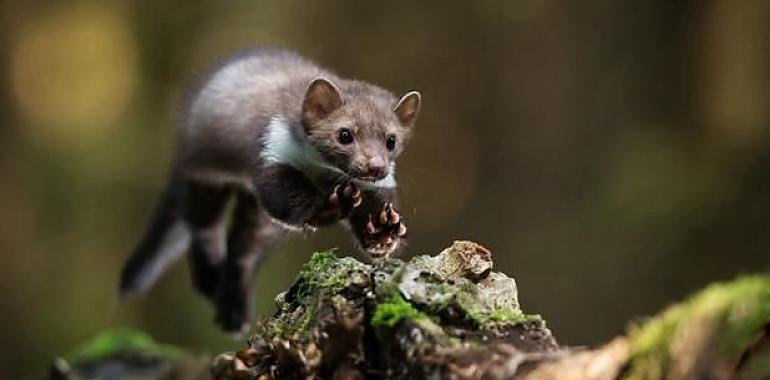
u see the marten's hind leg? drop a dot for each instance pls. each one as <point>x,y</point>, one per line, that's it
<point>204,213</point>
<point>251,238</point>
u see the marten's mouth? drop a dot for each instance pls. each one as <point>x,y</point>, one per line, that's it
<point>368,178</point>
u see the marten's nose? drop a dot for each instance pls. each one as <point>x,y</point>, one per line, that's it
<point>376,168</point>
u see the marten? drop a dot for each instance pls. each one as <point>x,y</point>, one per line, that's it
<point>297,147</point>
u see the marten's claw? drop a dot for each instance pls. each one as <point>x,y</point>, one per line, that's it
<point>345,197</point>
<point>384,231</point>
<point>342,200</point>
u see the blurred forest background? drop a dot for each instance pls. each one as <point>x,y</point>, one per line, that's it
<point>615,156</point>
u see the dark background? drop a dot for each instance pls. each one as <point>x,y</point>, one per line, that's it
<point>615,156</point>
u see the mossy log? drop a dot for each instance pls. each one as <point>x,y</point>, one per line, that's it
<point>450,316</point>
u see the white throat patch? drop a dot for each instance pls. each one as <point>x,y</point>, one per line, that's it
<point>282,147</point>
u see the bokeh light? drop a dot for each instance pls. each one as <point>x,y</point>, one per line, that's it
<point>73,70</point>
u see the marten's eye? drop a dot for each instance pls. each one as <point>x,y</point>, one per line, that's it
<point>390,143</point>
<point>345,137</point>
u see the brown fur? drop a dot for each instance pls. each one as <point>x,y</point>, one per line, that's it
<point>369,113</point>
<point>248,134</point>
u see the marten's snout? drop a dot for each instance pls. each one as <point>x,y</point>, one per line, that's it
<point>376,167</point>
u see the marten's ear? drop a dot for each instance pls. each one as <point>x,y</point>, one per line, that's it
<point>408,108</point>
<point>322,98</point>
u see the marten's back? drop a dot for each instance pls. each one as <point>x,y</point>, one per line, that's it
<point>227,116</point>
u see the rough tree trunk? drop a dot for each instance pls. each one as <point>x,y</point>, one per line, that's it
<point>450,316</point>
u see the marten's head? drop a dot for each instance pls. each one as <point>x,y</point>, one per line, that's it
<point>358,128</point>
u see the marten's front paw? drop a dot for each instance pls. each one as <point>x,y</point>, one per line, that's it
<point>384,231</point>
<point>345,198</point>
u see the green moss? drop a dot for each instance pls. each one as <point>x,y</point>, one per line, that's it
<point>649,347</point>
<point>328,272</point>
<point>120,340</point>
<point>393,310</point>
<point>323,273</point>
<point>748,310</point>
<point>309,318</point>
<point>320,262</point>
<point>498,317</point>
<point>733,312</point>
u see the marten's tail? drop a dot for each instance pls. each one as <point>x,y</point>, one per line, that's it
<point>165,241</point>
